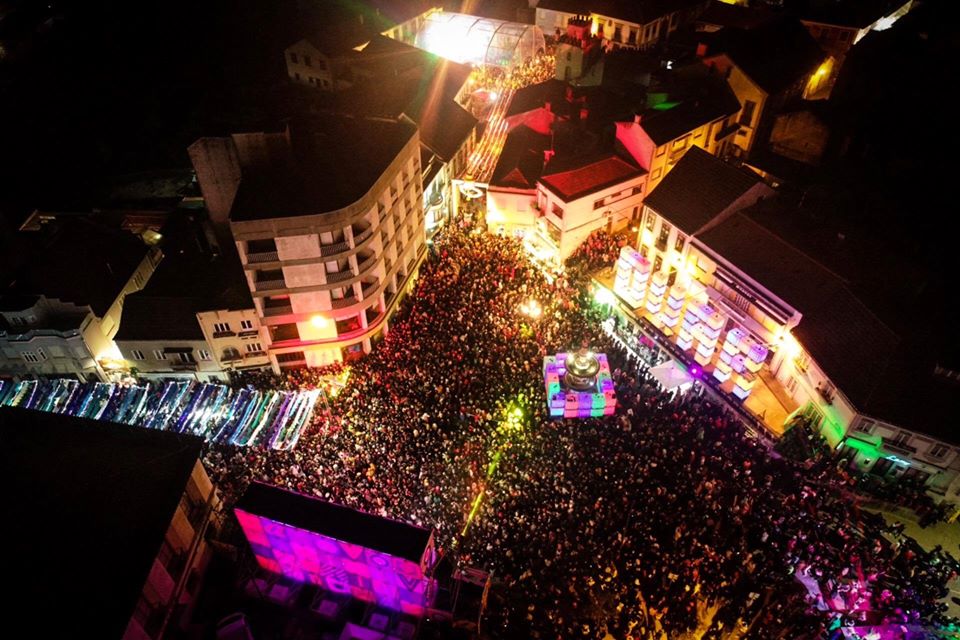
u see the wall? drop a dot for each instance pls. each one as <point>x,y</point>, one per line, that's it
<point>511,210</point>
<point>307,66</point>
<point>240,339</point>
<point>203,367</point>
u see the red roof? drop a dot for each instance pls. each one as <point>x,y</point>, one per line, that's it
<point>598,175</point>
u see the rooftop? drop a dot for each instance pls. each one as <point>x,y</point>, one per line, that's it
<point>86,529</point>
<point>692,111</point>
<point>521,160</point>
<point>775,55</point>
<point>166,308</point>
<point>582,176</point>
<point>640,12</point>
<point>735,16</point>
<point>853,346</point>
<point>75,259</point>
<point>699,188</point>
<point>332,161</point>
<point>392,537</point>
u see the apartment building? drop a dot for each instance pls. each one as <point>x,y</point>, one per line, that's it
<point>329,227</point>
<point>118,525</point>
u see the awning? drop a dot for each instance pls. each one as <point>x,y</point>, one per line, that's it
<point>670,375</point>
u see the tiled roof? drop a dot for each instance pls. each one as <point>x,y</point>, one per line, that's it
<point>697,189</point>
<point>589,177</point>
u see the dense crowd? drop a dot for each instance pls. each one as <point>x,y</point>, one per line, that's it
<point>666,518</point>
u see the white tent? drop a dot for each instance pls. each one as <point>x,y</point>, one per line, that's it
<point>671,376</point>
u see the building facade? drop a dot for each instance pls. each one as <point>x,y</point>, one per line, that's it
<point>170,591</point>
<point>327,270</point>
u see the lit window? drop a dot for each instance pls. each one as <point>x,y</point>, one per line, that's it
<point>158,354</point>
<point>678,245</point>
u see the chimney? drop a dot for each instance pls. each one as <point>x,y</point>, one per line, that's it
<point>636,118</point>
<point>547,155</point>
<point>701,49</point>
<point>546,105</point>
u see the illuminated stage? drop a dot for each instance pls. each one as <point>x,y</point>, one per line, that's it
<point>339,549</point>
<point>579,385</point>
<point>479,41</point>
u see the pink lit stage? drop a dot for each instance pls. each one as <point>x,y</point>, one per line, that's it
<point>579,385</point>
<point>339,549</point>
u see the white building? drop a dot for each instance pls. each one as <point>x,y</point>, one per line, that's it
<point>330,231</point>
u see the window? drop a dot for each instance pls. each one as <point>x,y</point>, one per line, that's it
<point>902,438</point>
<point>597,204</point>
<point>136,354</point>
<point>158,354</point>
<point>254,347</point>
<point>307,61</point>
<point>678,245</point>
<point>938,450</point>
<point>681,143</point>
<point>656,174</point>
<point>650,219</point>
<point>557,210</point>
<point>222,327</point>
<point>569,56</point>
<point>661,150</point>
<point>866,426</point>
<point>293,58</point>
<point>636,191</point>
<point>297,76</point>
<point>30,356</point>
<point>246,325</point>
<point>657,263</point>
<point>41,354</point>
<point>746,114</point>
<point>186,357</point>
<point>663,237</point>
<point>644,250</point>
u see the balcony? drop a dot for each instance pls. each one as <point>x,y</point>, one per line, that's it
<point>369,288</point>
<point>265,256</point>
<point>899,447</point>
<point>358,238</point>
<point>339,276</point>
<point>342,303</point>
<point>267,285</point>
<point>279,310</point>
<point>333,249</point>
<point>223,334</point>
<point>184,366</point>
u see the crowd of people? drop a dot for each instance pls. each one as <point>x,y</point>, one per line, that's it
<point>663,520</point>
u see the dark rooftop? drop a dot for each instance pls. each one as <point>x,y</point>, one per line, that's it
<point>76,260</point>
<point>844,337</point>
<point>166,308</point>
<point>577,178</point>
<point>87,506</point>
<point>332,161</point>
<point>699,188</point>
<point>395,538</point>
<point>735,16</point>
<point>691,113</point>
<point>521,160</point>
<point>638,12</point>
<point>775,55</point>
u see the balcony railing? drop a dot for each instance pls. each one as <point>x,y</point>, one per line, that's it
<point>331,249</point>
<point>277,311</point>
<point>266,256</point>
<point>369,288</point>
<point>266,285</point>
<point>897,447</point>
<point>339,276</point>
<point>341,303</point>
<point>363,235</point>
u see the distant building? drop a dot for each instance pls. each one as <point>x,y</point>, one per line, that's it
<point>838,26</point>
<point>658,138</point>
<point>766,67</point>
<point>328,221</point>
<point>195,318</point>
<point>115,517</point>
<point>579,55</point>
<point>63,307</point>
<point>622,24</point>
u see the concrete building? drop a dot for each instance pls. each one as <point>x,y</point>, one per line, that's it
<point>60,314</point>
<point>660,136</point>
<point>329,225</point>
<point>120,522</point>
<point>197,327</point>
<point>767,68</point>
<point>784,334</point>
<point>621,24</point>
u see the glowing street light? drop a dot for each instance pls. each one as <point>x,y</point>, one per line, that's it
<point>319,322</point>
<point>532,309</point>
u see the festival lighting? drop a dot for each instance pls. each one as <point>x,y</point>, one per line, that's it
<point>319,322</point>
<point>604,296</point>
<point>532,309</point>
